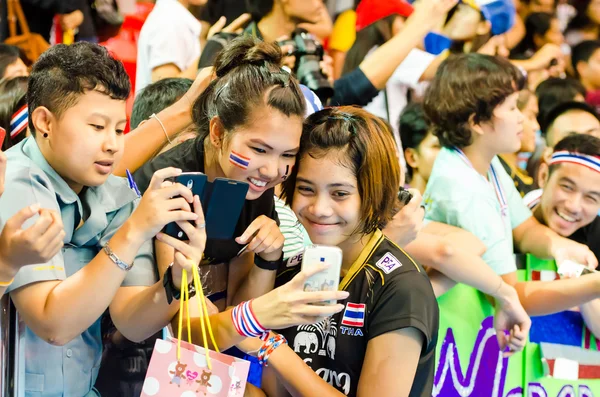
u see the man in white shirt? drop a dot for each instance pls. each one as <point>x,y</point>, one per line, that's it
<point>169,43</point>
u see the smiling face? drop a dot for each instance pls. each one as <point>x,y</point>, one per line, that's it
<point>262,151</point>
<point>86,142</point>
<point>571,198</point>
<point>326,199</point>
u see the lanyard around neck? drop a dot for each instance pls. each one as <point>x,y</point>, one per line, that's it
<point>494,180</point>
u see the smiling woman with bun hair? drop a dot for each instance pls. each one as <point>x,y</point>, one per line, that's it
<point>249,120</point>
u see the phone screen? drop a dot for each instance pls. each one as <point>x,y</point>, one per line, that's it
<point>227,198</point>
<point>328,279</point>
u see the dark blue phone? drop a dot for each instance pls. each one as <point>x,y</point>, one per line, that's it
<point>224,206</point>
<point>196,182</point>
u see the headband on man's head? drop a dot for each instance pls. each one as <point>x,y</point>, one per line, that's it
<point>564,156</point>
<point>19,121</point>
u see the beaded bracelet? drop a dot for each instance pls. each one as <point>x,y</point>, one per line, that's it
<point>245,321</point>
<point>269,347</point>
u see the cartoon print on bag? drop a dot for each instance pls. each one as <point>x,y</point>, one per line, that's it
<point>191,376</point>
<point>235,387</point>
<point>203,382</point>
<point>178,374</point>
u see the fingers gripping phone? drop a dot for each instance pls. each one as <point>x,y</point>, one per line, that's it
<point>196,182</point>
<point>327,280</point>
<point>404,196</point>
<point>222,203</point>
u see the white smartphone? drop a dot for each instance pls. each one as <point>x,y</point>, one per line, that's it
<point>329,279</point>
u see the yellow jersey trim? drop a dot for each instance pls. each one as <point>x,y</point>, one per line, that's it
<point>362,259</point>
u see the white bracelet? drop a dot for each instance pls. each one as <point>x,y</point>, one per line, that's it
<point>153,115</point>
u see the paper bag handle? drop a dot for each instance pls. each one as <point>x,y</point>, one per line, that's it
<point>202,308</point>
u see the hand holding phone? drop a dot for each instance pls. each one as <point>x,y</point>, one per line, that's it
<point>404,196</point>
<point>196,182</point>
<point>327,280</point>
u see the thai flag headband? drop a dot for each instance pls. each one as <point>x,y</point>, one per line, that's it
<point>563,156</point>
<point>18,122</point>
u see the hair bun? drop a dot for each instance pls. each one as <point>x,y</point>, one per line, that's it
<point>247,50</point>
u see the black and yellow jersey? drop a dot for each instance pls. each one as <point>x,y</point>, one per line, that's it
<point>388,291</point>
<point>523,182</point>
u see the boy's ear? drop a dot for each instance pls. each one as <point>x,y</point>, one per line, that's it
<point>43,121</point>
<point>411,157</point>
<point>543,174</point>
<point>474,126</point>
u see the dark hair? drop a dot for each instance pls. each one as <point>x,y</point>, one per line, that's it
<point>365,142</point>
<point>373,35</point>
<point>554,91</point>
<point>13,96</point>
<point>259,8</point>
<point>563,108</point>
<point>249,74</point>
<point>468,85</point>
<point>63,73</point>
<point>414,127</point>
<point>577,143</point>
<point>8,55</point>
<point>536,24</point>
<point>582,52</point>
<point>156,97</point>
<point>581,20</point>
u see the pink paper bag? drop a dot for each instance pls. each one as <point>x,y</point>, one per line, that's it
<point>191,377</point>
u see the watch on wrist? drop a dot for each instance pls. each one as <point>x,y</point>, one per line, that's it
<point>170,288</point>
<point>268,265</point>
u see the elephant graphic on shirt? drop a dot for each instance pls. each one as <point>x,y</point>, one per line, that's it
<point>331,347</point>
<point>306,339</point>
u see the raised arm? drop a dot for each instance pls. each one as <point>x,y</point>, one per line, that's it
<point>144,141</point>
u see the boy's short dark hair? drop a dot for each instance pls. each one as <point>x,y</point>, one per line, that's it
<point>563,108</point>
<point>465,86</point>
<point>259,8</point>
<point>577,143</point>
<point>8,55</point>
<point>63,73</point>
<point>413,127</point>
<point>157,97</point>
<point>582,52</point>
<point>554,91</point>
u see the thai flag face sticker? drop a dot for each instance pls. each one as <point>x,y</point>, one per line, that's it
<point>239,161</point>
<point>354,315</point>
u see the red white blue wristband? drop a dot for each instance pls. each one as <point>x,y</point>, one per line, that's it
<point>245,321</point>
<point>269,347</point>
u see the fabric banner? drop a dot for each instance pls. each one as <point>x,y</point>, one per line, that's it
<point>560,360</point>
